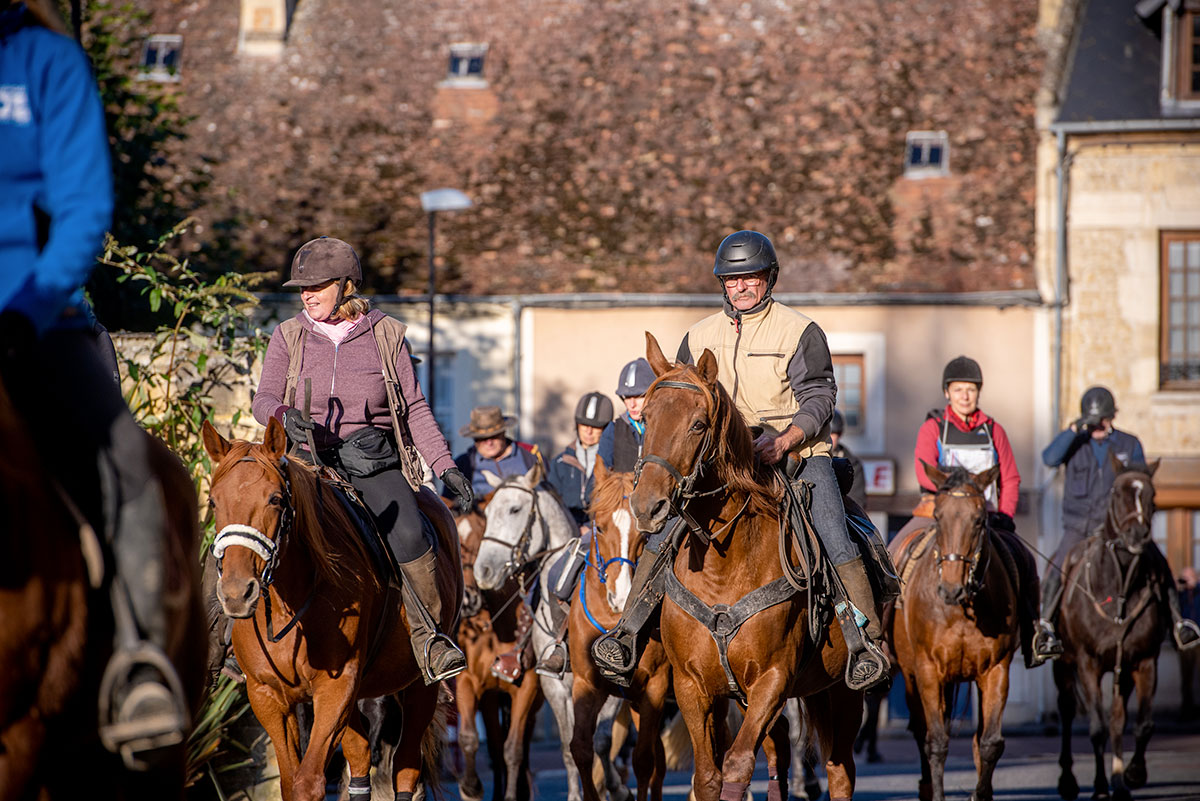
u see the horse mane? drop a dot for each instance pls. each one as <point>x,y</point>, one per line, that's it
<point>737,466</point>
<point>1135,467</point>
<point>609,494</point>
<point>324,527</point>
<point>956,476</point>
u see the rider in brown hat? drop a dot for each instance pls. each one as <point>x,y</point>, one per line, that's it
<point>493,450</point>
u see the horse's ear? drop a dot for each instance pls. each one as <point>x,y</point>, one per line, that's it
<point>707,366</point>
<point>535,474</point>
<point>936,476</point>
<point>492,479</point>
<point>216,445</point>
<point>1153,466</point>
<point>1114,463</point>
<point>987,478</point>
<point>654,355</point>
<point>599,472</point>
<point>275,440</point>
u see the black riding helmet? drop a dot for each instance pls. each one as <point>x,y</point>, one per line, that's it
<point>1097,404</point>
<point>962,368</point>
<point>746,252</point>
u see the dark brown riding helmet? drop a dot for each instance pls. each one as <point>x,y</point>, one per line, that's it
<point>324,259</point>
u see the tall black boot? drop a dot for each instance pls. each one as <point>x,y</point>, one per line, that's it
<point>436,654</point>
<point>616,653</point>
<point>1046,644</point>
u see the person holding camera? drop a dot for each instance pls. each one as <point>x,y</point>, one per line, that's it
<point>1083,449</point>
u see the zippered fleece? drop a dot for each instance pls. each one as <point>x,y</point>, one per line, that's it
<point>775,363</point>
<point>348,391</point>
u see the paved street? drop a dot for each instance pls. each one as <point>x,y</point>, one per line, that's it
<point>1027,772</point>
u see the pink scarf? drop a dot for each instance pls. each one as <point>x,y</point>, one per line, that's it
<point>337,330</point>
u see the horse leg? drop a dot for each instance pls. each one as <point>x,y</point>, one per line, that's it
<point>1145,678</point>
<point>763,702</point>
<point>937,738</point>
<point>523,702</point>
<point>778,747</point>
<point>649,756</point>
<point>420,703</point>
<point>332,710</point>
<point>1064,680</point>
<point>558,694</point>
<point>610,734</point>
<point>1089,676</point>
<point>920,733</point>
<point>282,728</point>
<point>493,729</point>
<point>989,739</point>
<point>1116,728</point>
<point>356,748</point>
<point>696,706</point>
<point>466,700</point>
<point>835,714</point>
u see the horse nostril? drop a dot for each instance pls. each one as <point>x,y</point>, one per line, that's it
<point>950,595</point>
<point>251,590</point>
<point>483,573</point>
<point>659,510</point>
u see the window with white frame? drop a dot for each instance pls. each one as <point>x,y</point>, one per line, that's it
<point>848,372</point>
<point>859,361</point>
<point>466,64</point>
<point>926,153</point>
<point>160,57</point>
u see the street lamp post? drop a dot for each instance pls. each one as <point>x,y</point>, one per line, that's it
<point>432,202</point>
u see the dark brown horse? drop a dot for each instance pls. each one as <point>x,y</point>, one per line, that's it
<point>494,622</point>
<point>957,620</point>
<point>596,607</point>
<point>313,620</point>
<point>1112,619</point>
<point>698,459</point>
<point>56,631</point>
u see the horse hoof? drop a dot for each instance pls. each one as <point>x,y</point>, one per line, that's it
<point>1068,788</point>
<point>1135,775</point>
<point>1101,795</point>
<point>1121,794</point>
<point>471,793</point>
<point>925,791</point>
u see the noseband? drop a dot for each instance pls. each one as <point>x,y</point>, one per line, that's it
<point>969,583</point>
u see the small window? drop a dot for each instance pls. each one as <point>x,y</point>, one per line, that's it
<point>926,153</point>
<point>849,374</point>
<point>160,57</point>
<point>1180,318</point>
<point>1188,71</point>
<point>466,65</point>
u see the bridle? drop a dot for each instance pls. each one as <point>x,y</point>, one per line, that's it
<point>266,548</point>
<point>518,556</point>
<point>599,563</point>
<point>970,584</point>
<point>1117,525</point>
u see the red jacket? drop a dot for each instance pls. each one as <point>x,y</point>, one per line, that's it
<point>1009,483</point>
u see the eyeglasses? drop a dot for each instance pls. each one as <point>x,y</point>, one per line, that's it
<point>754,279</point>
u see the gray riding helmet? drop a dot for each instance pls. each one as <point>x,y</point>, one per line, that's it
<point>636,377</point>
<point>594,409</point>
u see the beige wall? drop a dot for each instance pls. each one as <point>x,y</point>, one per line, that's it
<point>1121,198</point>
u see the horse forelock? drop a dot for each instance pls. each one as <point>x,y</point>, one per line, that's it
<point>956,478</point>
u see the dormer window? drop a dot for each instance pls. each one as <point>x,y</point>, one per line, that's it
<point>1187,52</point>
<point>466,65</point>
<point>926,154</point>
<point>160,57</point>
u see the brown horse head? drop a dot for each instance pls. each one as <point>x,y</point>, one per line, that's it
<point>1130,504</point>
<point>695,438</point>
<point>615,544</point>
<point>960,510</point>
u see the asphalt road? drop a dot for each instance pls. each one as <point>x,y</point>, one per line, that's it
<point>1028,771</point>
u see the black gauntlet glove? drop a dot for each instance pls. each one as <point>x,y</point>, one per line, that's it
<point>296,426</point>
<point>453,478</point>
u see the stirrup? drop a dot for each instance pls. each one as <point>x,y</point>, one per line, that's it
<point>554,661</point>
<point>867,668</point>
<point>456,660</point>
<point>151,714</point>
<point>1046,644</point>
<point>613,659</point>
<point>1187,634</point>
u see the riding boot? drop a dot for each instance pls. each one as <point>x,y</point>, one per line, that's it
<point>1187,633</point>
<point>436,654</point>
<point>1046,644</point>
<point>866,666</point>
<point>143,706</point>
<point>616,652</point>
<point>555,660</point>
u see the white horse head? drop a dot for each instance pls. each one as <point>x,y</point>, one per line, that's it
<point>524,520</point>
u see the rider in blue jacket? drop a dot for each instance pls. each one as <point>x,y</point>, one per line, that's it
<point>55,205</point>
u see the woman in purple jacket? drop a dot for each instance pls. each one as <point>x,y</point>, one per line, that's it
<point>331,350</point>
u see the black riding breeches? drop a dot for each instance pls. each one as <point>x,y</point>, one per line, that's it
<point>393,505</point>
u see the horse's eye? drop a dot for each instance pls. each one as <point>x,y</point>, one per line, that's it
<point>211,503</point>
<point>275,500</point>
<point>514,510</point>
<point>699,425</point>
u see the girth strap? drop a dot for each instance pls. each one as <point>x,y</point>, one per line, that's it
<point>724,621</point>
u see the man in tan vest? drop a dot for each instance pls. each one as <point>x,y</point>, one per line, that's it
<point>775,363</point>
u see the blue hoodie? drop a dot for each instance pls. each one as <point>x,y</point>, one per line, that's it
<point>53,158</point>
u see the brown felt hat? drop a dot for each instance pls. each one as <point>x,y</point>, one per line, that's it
<point>486,421</point>
<point>324,259</point>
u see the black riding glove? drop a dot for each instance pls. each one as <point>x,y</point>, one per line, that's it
<point>296,426</point>
<point>453,478</point>
<point>17,340</point>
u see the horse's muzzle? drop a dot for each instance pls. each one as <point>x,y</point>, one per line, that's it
<point>952,594</point>
<point>487,577</point>
<point>238,597</point>
<point>652,520</point>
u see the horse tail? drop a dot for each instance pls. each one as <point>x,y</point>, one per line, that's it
<point>677,744</point>
<point>433,746</point>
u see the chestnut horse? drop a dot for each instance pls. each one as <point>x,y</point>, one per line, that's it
<point>597,606</point>
<point>56,630</point>
<point>957,620</point>
<point>698,459</point>
<point>338,634</point>
<point>1112,619</point>
<point>493,623</point>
